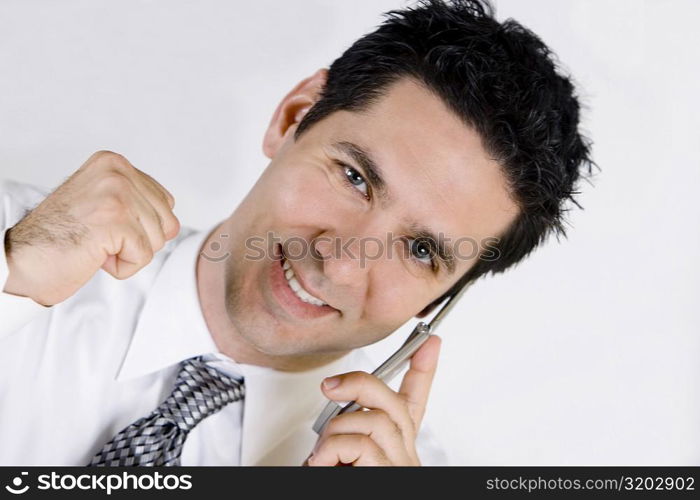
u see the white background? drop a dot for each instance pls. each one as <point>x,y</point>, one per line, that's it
<point>586,353</point>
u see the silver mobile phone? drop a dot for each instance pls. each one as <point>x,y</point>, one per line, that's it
<point>395,363</point>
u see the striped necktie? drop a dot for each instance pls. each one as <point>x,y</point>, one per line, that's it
<point>157,439</point>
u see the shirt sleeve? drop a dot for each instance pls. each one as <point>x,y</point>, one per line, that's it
<point>16,199</point>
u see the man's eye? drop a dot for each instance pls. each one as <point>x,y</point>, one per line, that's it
<point>355,179</point>
<point>422,251</point>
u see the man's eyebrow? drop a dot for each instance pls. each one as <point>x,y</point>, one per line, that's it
<point>376,179</point>
<point>444,251</point>
<point>368,165</point>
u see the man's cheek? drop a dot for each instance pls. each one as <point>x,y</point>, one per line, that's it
<point>375,327</point>
<point>296,203</point>
<point>393,299</point>
<point>216,250</point>
<point>397,307</point>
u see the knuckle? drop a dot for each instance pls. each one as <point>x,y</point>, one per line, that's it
<point>106,160</point>
<point>105,153</point>
<point>114,182</point>
<point>365,381</point>
<point>117,163</point>
<point>358,378</point>
<point>111,155</point>
<point>108,157</point>
<point>171,227</point>
<point>99,155</point>
<point>387,423</point>
<point>120,164</point>
<point>405,400</point>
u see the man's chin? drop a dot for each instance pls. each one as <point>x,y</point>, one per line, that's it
<point>268,339</point>
<point>279,343</point>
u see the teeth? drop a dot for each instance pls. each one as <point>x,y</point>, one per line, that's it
<point>294,284</point>
<point>297,288</point>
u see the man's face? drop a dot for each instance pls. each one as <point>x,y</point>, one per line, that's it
<point>437,177</point>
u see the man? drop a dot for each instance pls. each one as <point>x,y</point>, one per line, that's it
<point>442,126</point>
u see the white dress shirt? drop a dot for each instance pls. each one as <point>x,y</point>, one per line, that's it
<point>74,374</point>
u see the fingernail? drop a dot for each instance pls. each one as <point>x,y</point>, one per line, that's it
<point>331,382</point>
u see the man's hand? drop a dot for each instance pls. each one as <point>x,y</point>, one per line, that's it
<point>385,433</point>
<point>107,215</point>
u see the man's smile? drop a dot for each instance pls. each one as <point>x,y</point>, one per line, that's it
<point>298,289</point>
<point>291,292</point>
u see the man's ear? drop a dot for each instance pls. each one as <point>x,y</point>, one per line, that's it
<point>291,110</point>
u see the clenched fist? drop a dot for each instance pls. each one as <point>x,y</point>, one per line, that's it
<point>107,215</point>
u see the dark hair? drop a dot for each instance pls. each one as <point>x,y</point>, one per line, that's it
<point>500,79</point>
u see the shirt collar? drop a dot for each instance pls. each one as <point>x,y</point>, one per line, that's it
<point>171,326</point>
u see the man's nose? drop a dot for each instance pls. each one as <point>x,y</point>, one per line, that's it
<point>347,259</point>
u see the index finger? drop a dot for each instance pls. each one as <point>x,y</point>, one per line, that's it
<point>415,386</point>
